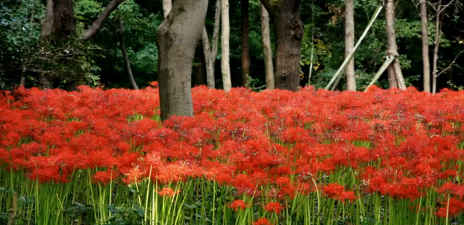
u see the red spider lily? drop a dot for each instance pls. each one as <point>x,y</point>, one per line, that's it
<point>168,192</point>
<point>238,205</point>
<point>274,207</point>
<point>262,221</point>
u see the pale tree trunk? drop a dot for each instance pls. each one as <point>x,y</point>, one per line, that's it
<point>125,56</point>
<point>394,71</point>
<point>425,45</point>
<point>96,25</point>
<point>266,38</point>
<point>245,42</point>
<point>435,51</point>
<point>285,15</point>
<point>167,6</point>
<point>225,64</point>
<point>210,48</point>
<point>178,36</point>
<point>439,9</point>
<point>59,22</point>
<point>349,44</point>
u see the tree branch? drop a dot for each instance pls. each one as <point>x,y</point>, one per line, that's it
<point>451,63</point>
<point>96,25</point>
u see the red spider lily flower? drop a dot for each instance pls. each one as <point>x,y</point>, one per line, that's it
<point>262,221</point>
<point>167,191</point>
<point>274,207</point>
<point>238,205</point>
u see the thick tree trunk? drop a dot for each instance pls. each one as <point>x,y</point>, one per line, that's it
<point>425,45</point>
<point>285,15</point>
<point>178,36</point>
<point>245,42</point>
<point>349,44</point>
<point>392,48</point>
<point>96,25</point>
<point>266,38</point>
<point>59,22</point>
<point>225,64</point>
<point>126,57</point>
<point>210,48</point>
<point>167,6</point>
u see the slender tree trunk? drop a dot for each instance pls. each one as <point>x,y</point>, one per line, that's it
<point>245,42</point>
<point>210,49</point>
<point>349,44</point>
<point>266,38</point>
<point>167,6</point>
<point>96,25</point>
<point>124,54</point>
<point>392,50</point>
<point>425,45</point>
<point>47,25</point>
<point>436,48</point>
<point>178,36</point>
<point>285,15</point>
<point>225,64</point>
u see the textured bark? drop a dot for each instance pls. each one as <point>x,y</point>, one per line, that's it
<point>167,6</point>
<point>210,48</point>
<point>245,42</point>
<point>225,63</point>
<point>425,45</point>
<point>96,25</point>
<point>285,15</point>
<point>178,36</point>
<point>349,44</point>
<point>59,22</point>
<point>392,49</point>
<point>266,38</point>
<point>126,57</point>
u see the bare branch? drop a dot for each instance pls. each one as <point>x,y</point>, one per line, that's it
<point>451,63</point>
<point>96,25</point>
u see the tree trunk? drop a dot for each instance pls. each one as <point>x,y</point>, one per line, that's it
<point>225,64</point>
<point>285,15</point>
<point>59,23</point>
<point>435,51</point>
<point>266,38</point>
<point>210,49</point>
<point>425,45</point>
<point>392,49</point>
<point>178,36</point>
<point>349,44</point>
<point>245,42</point>
<point>96,25</point>
<point>124,54</point>
<point>167,6</point>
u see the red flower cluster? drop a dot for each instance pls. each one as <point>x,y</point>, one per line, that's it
<point>401,143</point>
<point>262,221</point>
<point>337,191</point>
<point>274,207</point>
<point>238,205</point>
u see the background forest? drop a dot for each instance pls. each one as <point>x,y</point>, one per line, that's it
<point>100,60</point>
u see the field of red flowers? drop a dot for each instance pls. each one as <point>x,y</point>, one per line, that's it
<point>273,157</point>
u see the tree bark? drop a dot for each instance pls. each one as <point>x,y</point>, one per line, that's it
<point>245,42</point>
<point>436,48</point>
<point>59,23</point>
<point>392,49</point>
<point>178,36</point>
<point>225,63</point>
<point>126,57</point>
<point>266,38</point>
<point>425,45</point>
<point>96,25</point>
<point>349,44</point>
<point>210,48</point>
<point>285,15</point>
<point>167,6</point>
